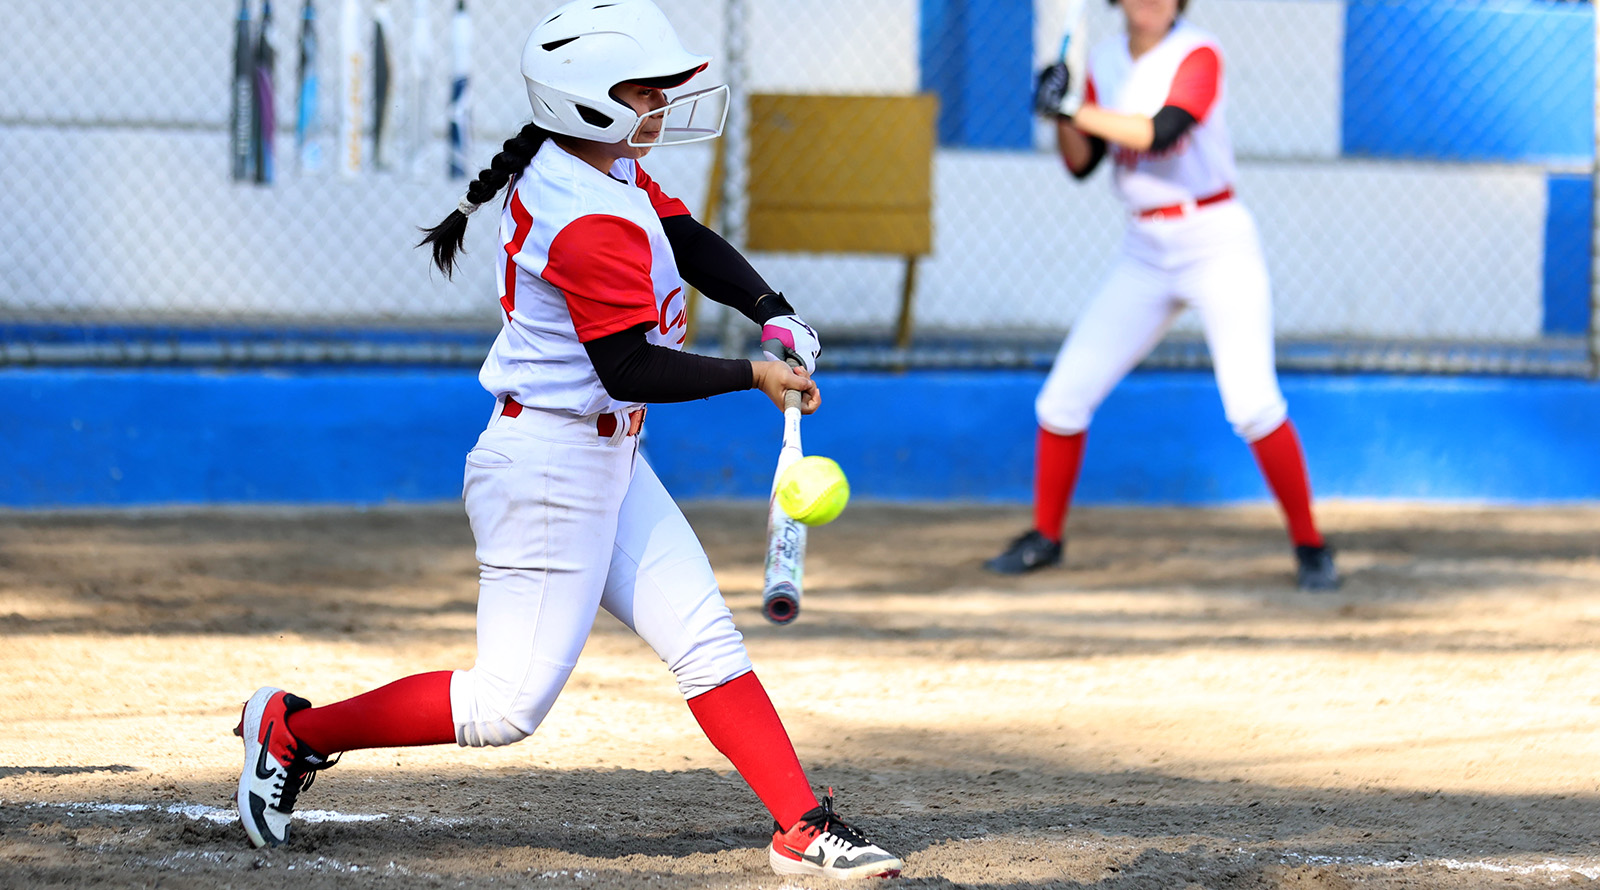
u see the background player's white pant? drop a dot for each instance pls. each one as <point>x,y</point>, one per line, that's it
<point>567,522</point>
<point>1210,259</point>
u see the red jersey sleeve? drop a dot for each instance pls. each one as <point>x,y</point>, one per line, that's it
<point>1194,87</point>
<point>1089,95</point>
<point>601,264</point>
<point>665,204</point>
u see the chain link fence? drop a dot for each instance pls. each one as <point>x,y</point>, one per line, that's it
<point>1421,172</point>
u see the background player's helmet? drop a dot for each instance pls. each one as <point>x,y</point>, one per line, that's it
<point>579,52</point>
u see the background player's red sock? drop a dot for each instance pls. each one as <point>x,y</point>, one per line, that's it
<point>412,711</point>
<point>740,721</point>
<point>1055,475</point>
<point>1284,465</point>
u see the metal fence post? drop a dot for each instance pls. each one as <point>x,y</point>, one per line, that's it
<point>735,148</point>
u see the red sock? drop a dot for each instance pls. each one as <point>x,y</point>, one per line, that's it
<point>1055,475</point>
<point>1284,465</point>
<point>740,721</point>
<point>412,711</point>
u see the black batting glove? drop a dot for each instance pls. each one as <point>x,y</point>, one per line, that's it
<point>1050,88</point>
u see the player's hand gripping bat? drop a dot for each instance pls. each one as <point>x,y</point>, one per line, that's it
<point>1061,87</point>
<point>786,536</point>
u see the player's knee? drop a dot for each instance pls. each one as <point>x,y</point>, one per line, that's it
<point>717,656</point>
<point>1261,421</point>
<point>1062,419</point>
<point>492,733</point>
<point>489,711</point>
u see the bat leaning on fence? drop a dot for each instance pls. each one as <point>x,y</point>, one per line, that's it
<point>786,536</point>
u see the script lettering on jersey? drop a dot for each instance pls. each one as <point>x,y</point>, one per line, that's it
<point>668,320</point>
<point>1128,158</point>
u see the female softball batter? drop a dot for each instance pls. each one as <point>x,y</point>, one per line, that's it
<point>1154,99</point>
<point>567,516</point>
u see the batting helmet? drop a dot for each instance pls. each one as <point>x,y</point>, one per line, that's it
<point>577,54</point>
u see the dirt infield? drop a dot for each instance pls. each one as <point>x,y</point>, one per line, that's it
<point>1167,712</point>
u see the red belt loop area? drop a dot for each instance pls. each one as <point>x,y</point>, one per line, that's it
<point>605,425</point>
<point>1172,210</point>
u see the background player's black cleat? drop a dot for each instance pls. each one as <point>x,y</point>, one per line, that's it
<point>1028,552</point>
<point>1316,570</point>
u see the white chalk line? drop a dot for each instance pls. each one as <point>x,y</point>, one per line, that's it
<point>1588,868</point>
<point>202,813</point>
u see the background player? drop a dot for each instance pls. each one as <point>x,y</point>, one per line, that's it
<point>1154,98</point>
<point>567,516</point>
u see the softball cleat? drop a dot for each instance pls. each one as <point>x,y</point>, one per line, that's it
<point>821,844</point>
<point>1031,550</point>
<point>276,766</point>
<point>1314,568</point>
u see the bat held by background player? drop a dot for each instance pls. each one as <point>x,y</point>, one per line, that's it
<point>1061,86</point>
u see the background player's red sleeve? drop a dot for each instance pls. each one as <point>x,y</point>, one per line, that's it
<point>1089,95</point>
<point>665,204</point>
<point>1194,87</point>
<point>601,264</point>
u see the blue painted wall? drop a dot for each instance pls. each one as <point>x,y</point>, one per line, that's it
<point>97,437</point>
<point>977,56</point>
<point>109,438</point>
<point>1568,254</point>
<point>1491,80</point>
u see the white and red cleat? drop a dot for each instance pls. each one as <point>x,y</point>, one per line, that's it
<point>276,766</point>
<point>821,844</point>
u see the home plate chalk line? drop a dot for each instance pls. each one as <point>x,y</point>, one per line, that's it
<point>1563,866</point>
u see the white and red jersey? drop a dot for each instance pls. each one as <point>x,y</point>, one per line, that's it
<point>582,255</point>
<point>1184,69</point>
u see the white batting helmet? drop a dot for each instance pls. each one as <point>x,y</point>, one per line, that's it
<point>579,52</point>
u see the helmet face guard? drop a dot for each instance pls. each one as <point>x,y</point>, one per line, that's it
<point>694,117</point>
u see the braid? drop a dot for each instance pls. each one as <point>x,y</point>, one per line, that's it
<point>446,237</point>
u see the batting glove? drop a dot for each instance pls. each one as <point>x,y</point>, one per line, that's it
<point>1050,89</point>
<point>799,340</point>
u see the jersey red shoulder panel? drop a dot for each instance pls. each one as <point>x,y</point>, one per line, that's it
<point>601,264</point>
<point>665,204</point>
<point>1194,87</point>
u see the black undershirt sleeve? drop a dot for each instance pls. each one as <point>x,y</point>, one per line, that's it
<point>1097,152</point>
<point>634,370</point>
<point>720,272</point>
<point>1170,123</point>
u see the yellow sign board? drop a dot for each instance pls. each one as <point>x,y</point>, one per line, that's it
<point>841,174</point>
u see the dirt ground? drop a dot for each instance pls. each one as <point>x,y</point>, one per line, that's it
<point>1165,712</point>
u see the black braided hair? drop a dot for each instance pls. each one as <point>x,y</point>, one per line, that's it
<point>446,237</point>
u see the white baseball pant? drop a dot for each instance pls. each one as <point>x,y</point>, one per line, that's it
<point>566,523</point>
<point>1210,259</point>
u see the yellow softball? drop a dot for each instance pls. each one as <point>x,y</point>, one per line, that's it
<point>813,490</point>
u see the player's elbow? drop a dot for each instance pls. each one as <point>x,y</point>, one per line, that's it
<point>1168,127</point>
<point>622,383</point>
<point>1097,152</point>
